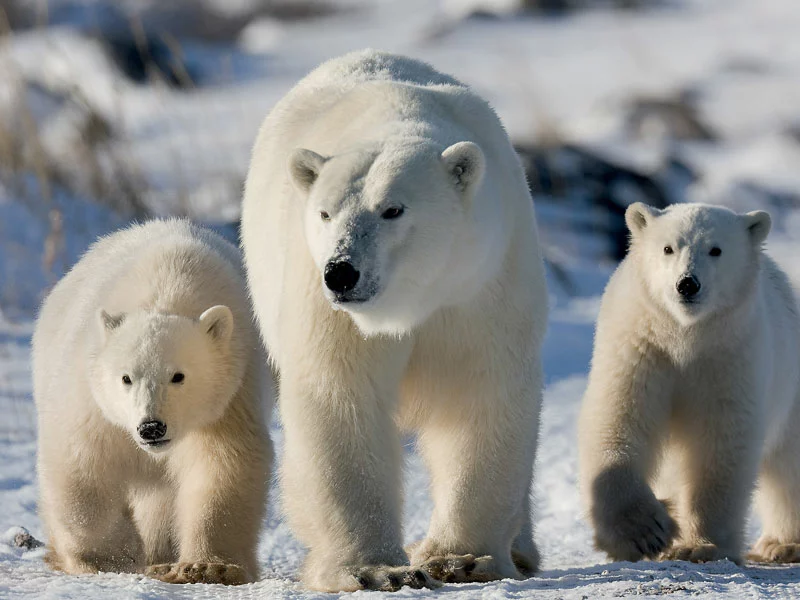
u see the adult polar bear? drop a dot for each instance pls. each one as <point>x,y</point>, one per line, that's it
<point>694,392</point>
<point>393,260</point>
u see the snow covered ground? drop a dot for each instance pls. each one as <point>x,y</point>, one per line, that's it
<point>568,78</point>
<point>572,569</point>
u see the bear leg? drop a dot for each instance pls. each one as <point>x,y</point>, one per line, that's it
<point>91,530</point>
<point>720,464</point>
<point>481,462</point>
<point>218,508</point>
<point>777,499</point>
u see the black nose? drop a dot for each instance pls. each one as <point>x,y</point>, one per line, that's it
<point>688,286</point>
<point>152,430</point>
<point>340,277</point>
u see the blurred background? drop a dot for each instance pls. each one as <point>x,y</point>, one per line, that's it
<point>120,110</point>
<point>112,110</point>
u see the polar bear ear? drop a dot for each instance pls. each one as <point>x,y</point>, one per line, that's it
<point>638,216</point>
<point>217,322</point>
<point>107,322</point>
<point>465,163</point>
<point>304,167</point>
<point>758,225</point>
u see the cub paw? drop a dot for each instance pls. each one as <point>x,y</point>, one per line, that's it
<point>642,529</point>
<point>771,551</point>
<point>527,564</point>
<point>199,572</point>
<point>464,568</point>
<point>697,553</point>
<point>391,579</point>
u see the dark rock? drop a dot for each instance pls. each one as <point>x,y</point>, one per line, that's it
<point>23,539</point>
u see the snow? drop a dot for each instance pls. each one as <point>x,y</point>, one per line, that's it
<point>568,78</point>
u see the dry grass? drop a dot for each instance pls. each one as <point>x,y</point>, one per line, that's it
<point>93,168</point>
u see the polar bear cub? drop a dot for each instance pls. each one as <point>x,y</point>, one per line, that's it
<point>394,265</point>
<point>150,390</point>
<point>694,393</point>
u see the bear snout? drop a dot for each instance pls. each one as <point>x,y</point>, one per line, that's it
<point>688,286</point>
<point>152,431</point>
<point>341,276</point>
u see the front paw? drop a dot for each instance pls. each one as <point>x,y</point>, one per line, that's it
<point>465,568</point>
<point>199,572</point>
<point>637,530</point>
<point>391,579</point>
<point>772,551</point>
<point>697,553</point>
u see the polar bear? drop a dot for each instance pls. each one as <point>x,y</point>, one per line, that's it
<point>694,393</point>
<point>149,382</point>
<point>394,265</point>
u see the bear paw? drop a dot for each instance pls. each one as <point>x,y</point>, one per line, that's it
<point>199,572</point>
<point>464,568</point>
<point>697,553</point>
<point>527,564</point>
<point>391,579</point>
<point>771,551</point>
<point>642,529</point>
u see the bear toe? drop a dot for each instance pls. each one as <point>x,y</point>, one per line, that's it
<point>464,568</point>
<point>392,579</point>
<point>697,553</point>
<point>775,552</point>
<point>199,572</point>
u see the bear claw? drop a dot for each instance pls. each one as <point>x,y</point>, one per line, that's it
<point>199,572</point>
<point>464,568</point>
<point>391,579</point>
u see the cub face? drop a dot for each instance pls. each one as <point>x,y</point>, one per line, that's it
<point>161,376</point>
<point>696,259</point>
<point>380,225</point>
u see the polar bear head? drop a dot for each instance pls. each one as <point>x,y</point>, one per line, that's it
<point>696,259</point>
<point>380,225</point>
<point>159,376</point>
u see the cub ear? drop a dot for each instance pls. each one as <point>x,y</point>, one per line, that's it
<point>108,323</point>
<point>217,322</point>
<point>758,224</point>
<point>638,216</point>
<point>465,163</point>
<point>304,167</point>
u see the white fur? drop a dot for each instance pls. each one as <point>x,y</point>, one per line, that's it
<point>690,402</point>
<point>447,342</point>
<point>148,302</point>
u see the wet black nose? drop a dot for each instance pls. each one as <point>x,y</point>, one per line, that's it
<point>152,430</point>
<point>688,286</point>
<point>340,277</point>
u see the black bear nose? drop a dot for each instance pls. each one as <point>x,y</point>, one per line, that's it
<point>688,286</point>
<point>340,277</point>
<point>152,430</point>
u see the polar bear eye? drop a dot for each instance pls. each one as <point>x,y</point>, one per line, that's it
<point>392,213</point>
<point>177,378</point>
<point>668,250</point>
<point>715,251</point>
<point>324,216</point>
<point>126,380</point>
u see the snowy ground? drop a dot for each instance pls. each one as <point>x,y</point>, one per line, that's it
<point>566,77</point>
<point>572,569</point>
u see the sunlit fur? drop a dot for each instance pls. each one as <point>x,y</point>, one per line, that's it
<point>137,304</point>
<point>692,402</point>
<point>447,343</point>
